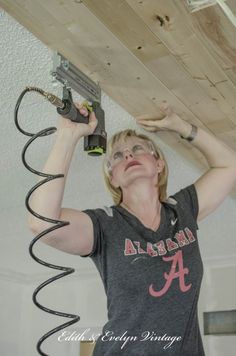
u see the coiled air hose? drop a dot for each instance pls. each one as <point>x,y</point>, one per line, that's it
<point>48,177</point>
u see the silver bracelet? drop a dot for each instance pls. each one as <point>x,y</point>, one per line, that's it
<point>192,134</point>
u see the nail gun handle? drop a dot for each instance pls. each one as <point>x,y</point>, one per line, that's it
<point>69,110</point>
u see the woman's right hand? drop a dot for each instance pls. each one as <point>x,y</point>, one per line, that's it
<point>75,129</point>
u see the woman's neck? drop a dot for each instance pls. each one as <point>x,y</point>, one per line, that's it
<point>144,204</point>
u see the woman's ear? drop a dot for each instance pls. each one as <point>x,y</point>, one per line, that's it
<point>113,181</point>
<point>160,165</point>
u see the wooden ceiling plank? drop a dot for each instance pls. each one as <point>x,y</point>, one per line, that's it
<point>222,126</point>
<point>24,18</point>
<point>232,5</point>
<point>122,92</point>
<point>187,48</point>
<point>65,11</point>
<point>213,27</point>
<point>92,49</point>
<point>33,17</point>
<point>156,57</point>
<point>231,73</point>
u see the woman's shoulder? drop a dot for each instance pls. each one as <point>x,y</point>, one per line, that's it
<point>102,211</point>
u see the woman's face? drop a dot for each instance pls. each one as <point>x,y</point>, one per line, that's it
<point>131,160</point>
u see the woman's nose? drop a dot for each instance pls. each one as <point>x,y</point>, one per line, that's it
<point>128,153</point>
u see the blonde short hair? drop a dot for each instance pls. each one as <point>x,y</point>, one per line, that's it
<point>122,136</point>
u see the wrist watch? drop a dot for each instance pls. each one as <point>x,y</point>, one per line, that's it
<point>192,134</point>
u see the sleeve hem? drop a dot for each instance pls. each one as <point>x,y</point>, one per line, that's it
<point>95,232</point>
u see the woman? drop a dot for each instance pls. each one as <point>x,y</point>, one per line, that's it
<point>145,246</point>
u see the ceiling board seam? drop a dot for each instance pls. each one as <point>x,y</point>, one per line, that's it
<point>231,84</point>
<point>200,39</point>
<point>146,68</point>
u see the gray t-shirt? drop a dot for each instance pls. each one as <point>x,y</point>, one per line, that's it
<point>151,278</point>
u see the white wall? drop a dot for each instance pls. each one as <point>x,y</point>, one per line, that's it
<point>218,293</point>
<point>11,306</point>
<point>23,324</point>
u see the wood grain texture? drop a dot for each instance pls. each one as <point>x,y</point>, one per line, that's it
<point>182,39</point>
<point>149,49</point>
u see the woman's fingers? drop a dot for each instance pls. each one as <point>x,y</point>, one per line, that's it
<point>147,122</point>
<point>82,109</point>
<point>149,128</point>
<point>150,125</point>
<point>93,121</point>
<point>168,120</point>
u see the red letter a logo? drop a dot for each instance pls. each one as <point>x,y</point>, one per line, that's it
<point>177,258</point>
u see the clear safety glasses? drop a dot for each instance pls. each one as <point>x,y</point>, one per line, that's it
<point>135,149</point>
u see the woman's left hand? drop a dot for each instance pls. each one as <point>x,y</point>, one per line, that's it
<point>169,121</point>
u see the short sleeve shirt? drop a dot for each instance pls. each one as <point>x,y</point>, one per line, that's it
<point>152,279</point>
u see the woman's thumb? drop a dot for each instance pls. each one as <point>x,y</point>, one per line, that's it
<point>92,119</point>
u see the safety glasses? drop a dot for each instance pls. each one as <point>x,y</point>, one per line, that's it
<point>119,153</point>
